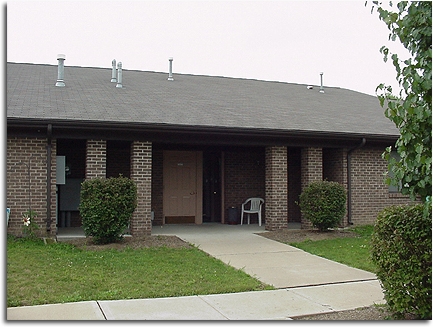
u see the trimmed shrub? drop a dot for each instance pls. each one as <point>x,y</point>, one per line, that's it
<point>324,204</point>
<point>106,207</point>
<point>402,252</point>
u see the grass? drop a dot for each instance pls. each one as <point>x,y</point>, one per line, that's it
<point>351,251</point>
<point>39,273</point>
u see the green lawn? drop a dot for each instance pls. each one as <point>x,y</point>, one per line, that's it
<point>351,251</point>
<point>59,272</point>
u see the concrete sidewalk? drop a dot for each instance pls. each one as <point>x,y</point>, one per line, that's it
<point>306,284</point>
<point>280,304</point>
<point>269,261</point>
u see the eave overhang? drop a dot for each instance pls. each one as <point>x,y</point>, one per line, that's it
<point>185,134</point>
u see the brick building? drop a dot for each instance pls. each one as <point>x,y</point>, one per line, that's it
<point>195,146</point>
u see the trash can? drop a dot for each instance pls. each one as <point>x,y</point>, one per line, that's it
<point>232,216</point>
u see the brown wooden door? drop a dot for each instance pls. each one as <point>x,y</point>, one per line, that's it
<point>182,193</point>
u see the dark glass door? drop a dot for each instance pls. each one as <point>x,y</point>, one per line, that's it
<point>212,186</point>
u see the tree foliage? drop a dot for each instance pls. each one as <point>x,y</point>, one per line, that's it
<point>401,244</point>
<point>411,109</point>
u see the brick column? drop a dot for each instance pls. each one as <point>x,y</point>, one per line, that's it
<point>311,171</point>
<point>96,159</point>
<point>276,188</point>
<point>53,204</point>
<point>141,174</point>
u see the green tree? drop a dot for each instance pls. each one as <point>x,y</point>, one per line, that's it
<point>402,239</point>
<point>411,109</point>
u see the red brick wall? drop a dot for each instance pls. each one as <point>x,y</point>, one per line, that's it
<point>96,157</point>
<point>369,191</point>
<point>22,152</point>
<point>311,165</point>
<point>276,188</point>
<point>244,177</point>
<point>141,174</point>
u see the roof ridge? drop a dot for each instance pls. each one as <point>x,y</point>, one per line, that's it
<point>187,74</point>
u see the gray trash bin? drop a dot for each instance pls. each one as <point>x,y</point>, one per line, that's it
<point>232,217</point>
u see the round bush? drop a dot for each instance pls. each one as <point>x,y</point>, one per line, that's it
<point>324,204</point>
<point>106,207</point>
<point>402,252</point>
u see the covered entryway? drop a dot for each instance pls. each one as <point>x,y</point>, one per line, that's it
<point>71,157</point>
<point>224,178</point>
<point>73,152</point>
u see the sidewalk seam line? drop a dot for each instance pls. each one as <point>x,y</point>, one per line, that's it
<point>102,311</point>
<point>330,283</point>
<point>257,252</point>
<point>202,297</point>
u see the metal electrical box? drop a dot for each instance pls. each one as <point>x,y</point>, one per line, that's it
<point>60,170</point>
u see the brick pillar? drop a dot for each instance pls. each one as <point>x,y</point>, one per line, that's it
<point>96,159</point>
<point>311,171</point>
<point>141,174</point>
<point>344,181</point>
<point>276,188</point>
<point>53,204</point>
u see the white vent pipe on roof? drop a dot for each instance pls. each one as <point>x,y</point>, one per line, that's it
<point>60,70</point>
<point>170,69</point>
<point>322,90</point>
<point>113,71</point>
<point>119,75</point>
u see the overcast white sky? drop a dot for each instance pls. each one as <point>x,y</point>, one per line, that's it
<point>288,41</point>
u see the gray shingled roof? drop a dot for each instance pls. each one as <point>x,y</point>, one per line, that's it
<point>189,100</point>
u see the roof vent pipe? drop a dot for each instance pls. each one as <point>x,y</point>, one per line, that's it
<point>60,70</point>
<point>119,75</point>
<point>113,71</point>
<point>170,69</point>
<point>321,84</point>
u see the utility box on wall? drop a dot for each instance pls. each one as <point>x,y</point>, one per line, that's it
<point>60,170</point>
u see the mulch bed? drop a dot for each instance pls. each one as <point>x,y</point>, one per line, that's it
<point>132,243</point>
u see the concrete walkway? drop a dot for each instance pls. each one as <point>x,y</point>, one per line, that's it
<point>306,284</point>
<point>269,261</point>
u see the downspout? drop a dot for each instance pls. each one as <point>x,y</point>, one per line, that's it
<point>349,179</point>
<point>49,135</point>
